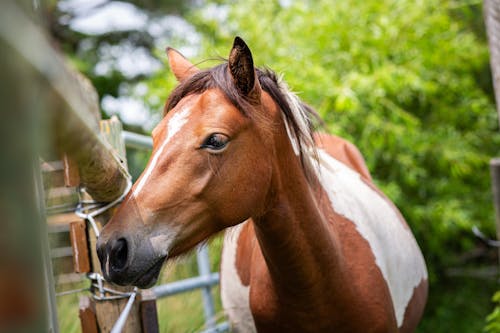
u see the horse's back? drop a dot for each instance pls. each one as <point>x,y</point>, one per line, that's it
<point>344,151</point>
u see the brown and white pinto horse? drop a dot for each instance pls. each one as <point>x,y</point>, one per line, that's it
<point>315,246</point>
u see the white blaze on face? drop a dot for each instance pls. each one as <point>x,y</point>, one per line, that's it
<point>174,125</point>
<point>394,247</point>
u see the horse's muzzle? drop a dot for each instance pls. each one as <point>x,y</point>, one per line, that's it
<point>125,261</point>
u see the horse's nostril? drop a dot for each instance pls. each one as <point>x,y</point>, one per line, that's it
<point>119,254</point>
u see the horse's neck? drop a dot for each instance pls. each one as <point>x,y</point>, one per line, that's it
<point>293,234</point>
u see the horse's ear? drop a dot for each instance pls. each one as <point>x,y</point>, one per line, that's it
<point>242,70</point>
<point>180,66</point>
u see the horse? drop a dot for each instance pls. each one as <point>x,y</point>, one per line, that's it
<point>311,244</point>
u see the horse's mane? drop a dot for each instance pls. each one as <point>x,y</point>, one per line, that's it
<point>300,119</point>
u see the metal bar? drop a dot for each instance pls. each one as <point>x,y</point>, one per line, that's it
<point>219,328</point>
<point>181,286</point>
<point>204,271</point>
<point>137,141</point>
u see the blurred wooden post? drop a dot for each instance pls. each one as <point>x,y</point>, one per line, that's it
<point>49,97</point>
<point>495,184</point>
<point>26,302</point>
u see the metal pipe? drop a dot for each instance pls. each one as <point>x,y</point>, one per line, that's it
<point>208,300</point>
<point>181,286</point>
<point>222,327</point>
<point>137,141</point>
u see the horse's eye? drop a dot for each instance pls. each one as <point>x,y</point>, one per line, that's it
<point>215,142</point>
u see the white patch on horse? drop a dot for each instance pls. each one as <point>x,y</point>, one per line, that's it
<point>394,247</point>
<point>162,240</point>
<point>235,296</point>
<point>174,125</point>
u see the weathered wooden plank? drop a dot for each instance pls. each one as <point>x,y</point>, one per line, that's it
<point>78,236</point>
<point>71,174</point>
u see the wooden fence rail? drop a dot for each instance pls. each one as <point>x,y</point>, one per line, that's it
<point>72,112</point>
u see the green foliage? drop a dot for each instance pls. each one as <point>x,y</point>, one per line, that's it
<point>493,319</point>
<point>459,305</point>
<point>408,82</point>
<point>401,80</point>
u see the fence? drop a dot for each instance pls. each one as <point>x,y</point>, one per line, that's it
<point>57,114</point>
<point>48,105</point>
<point>42,95</point>
<point>205,279</point>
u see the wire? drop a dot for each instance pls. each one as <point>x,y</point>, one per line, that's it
<point>104,293</point>
<point>81,207</point>
<point>118,326</point>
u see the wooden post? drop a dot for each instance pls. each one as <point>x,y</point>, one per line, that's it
<point>26,304</point>
<point>149,313</point>
<point>46,94</point>
<point>87,315</point>
<point>108,311</point>
<point>495,185</point>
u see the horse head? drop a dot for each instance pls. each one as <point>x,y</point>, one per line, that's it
<point>210,168</point>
